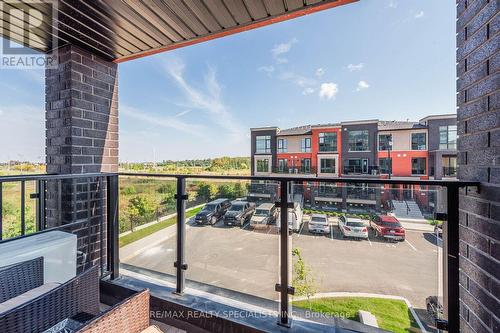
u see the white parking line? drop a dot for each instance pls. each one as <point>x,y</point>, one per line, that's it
<point>413,247</point>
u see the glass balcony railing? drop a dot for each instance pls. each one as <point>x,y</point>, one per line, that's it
<point>301,170</point>
<point>449,171</point>
<point>343,245</point>
<point>359,170</point>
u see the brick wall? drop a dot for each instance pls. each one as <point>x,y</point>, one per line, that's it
<point>479,159</point>
<point>81,114</point>
<point>81,137</point>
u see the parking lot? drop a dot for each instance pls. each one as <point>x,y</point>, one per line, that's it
<point>246,261</point>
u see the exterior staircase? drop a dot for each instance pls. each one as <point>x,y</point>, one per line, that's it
<point>412,211</point>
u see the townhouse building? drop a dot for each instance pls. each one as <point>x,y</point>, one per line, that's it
<point>367,148</point>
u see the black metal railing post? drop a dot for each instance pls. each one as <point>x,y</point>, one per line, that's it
<point>113,229</point>
<point>450,258</point>
<point>40,206</point>
<point>23,207</point>
<point>180,264</point>
<point>283,287</point>
<point>1,210</point>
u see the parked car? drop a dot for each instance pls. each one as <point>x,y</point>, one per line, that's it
<point>265,214</point>
<point>295,217</point>
<point>318,224</point>
<point>239,213</point>
<point>387,227</point>
<point>212,212</point>
<point>352,227</point>
<point>438,230</point>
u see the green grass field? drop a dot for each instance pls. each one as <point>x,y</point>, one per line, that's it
<point>392,315</point>
<point>139,234</point>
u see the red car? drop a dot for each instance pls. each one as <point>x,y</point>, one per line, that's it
<point>387,227</point>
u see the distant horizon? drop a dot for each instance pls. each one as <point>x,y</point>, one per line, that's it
<point>121,162</point>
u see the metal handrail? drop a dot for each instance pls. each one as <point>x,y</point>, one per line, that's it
<point>430,182</point>
<point>17,178</point>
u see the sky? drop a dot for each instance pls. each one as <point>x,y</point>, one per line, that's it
<point>385,59</point>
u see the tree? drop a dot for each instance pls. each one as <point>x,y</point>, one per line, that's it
<point>206,192</point>
<point>166,188</point>
<point>303,281</point>
<point>240,190</point>
<point>139,208</point>
<point>226,191</point>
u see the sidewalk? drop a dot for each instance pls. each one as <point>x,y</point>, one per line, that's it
<point>152,240</point>
<point>417,226</point>
<point>162,218</point>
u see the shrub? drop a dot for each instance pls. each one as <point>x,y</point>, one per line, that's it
<point>206,192</point>
<point>129,190</point>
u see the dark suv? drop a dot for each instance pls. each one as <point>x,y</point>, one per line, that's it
<point>239,213</point>
<point>213,211</point>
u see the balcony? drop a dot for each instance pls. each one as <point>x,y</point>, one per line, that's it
<point>449,171</point>
<point>244,277</point>
<point>354,170</point>
<point>290,170</point>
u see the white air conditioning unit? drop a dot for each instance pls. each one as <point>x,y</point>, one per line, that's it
<point>57,248</point>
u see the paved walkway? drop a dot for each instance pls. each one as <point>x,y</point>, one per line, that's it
<point>152,240</point>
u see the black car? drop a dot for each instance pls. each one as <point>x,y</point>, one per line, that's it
<point>213,211</point>
<point>239,213</point>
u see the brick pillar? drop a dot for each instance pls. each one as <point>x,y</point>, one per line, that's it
<point>81,114</point>
<point>478,114</point>
<point>81,138</point>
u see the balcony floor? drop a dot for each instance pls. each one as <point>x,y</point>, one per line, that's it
<point>226,310</point>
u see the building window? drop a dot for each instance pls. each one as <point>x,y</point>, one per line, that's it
<point>385,141</point>
<point>418,141</point>
<point>449,166</point>
<point>263,165</point>
<point>305,145</point>
<point>327,165</point>
<point>448,137</point>
<point>418,166</point>
<point>282,165</point>
<point>358,140</point>
<point>263,144</point>
<point>356,165</point>
<point>328,142</point>
<point>385,165</point>
<point>306,165</point>
<point>282,146</point>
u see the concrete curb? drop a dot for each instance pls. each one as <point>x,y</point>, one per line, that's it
<point>349,294</point>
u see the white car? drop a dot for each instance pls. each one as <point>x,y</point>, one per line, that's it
<point>264,214</point>
<point>295,217</point>
<point>318,224</point>
<point>353,227</point>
